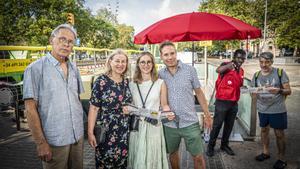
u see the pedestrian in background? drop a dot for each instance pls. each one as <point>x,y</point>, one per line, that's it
<point>52,86</point>
<point>271,106</point>
<point>227,87</point>
<point>147,148</point>
<point>110,91</point>
<point>182,81</point>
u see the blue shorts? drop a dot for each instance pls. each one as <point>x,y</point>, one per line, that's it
<point>276,121</point>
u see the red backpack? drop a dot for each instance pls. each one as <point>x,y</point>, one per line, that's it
<point>228,85</point>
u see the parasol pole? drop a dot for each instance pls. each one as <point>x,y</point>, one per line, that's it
<point>247,46</point>
<point>193,50</point>
<point>205,65</point>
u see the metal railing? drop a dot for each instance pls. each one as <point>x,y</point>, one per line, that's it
<point>13,67</point>
<point>11,95</point>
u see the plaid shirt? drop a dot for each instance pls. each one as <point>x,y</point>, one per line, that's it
<point>181,98</point>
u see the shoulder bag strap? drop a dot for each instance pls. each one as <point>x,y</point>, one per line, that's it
<point>279,72</point>
<point>124,90</point>
<point>255,78</point>
<point>144,102</point>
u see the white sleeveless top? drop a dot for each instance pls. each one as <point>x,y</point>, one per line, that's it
<point>153,100</point>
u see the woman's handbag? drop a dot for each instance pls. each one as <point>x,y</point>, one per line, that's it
<point>100,129</point>
<point>134,123</point>
<point>100,132</point>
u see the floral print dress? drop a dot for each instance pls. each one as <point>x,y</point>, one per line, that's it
<point>109,96</point>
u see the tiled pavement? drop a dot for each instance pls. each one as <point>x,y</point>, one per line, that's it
<point>21,154</point>
<point>18,151</point>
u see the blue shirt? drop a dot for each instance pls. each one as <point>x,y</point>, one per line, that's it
<point>59,106</point>
<point>181,98</point>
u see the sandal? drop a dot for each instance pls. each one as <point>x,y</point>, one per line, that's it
<point>279,164</point>
<point>262,157</point>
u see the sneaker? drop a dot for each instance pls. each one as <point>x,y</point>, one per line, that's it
<point>227,150</point>
<point>210,151</point>
<point>279,164</point>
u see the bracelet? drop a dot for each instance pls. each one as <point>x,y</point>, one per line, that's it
<point>206,116</point>
<point>280,91</point>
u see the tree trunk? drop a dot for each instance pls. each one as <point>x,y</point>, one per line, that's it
<point>296,52</point>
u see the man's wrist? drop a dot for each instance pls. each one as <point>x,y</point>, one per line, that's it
<point>207,115</point>
<point>90,132</point>
<point>40,142</point>
<point>231,65</point>
<point>280,91</point>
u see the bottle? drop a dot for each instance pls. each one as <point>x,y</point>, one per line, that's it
<point>206,135</point>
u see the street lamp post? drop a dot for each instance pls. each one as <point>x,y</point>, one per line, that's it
<point>265,24</point>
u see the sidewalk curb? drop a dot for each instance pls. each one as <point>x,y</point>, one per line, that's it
<point>15,137</point>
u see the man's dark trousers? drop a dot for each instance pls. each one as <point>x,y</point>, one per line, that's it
<point>225,111</point>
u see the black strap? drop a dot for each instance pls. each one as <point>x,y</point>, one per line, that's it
<point>255,78</point>
<point>279,73</point>
<point>144,102</point>
<point>124,91</point>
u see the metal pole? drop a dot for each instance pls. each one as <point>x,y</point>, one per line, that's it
<point>205,65</point>
<point>74,58</point>
<point>253,117</point>
<point>265,24</point>
<point>17,113</point>
<point>95,62</point>
<point>231,53</point>
<point>247,46</point>
<point>193,50</point>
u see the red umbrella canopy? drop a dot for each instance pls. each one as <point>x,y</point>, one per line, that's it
<point>197,26</point>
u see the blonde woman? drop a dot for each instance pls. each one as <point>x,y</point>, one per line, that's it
<point>109,92</point>
<point>147,145</point>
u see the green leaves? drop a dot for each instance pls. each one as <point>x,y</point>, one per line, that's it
<point>283,16</point>
<point>30,22</point>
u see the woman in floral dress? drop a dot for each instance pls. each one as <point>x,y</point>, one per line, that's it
<point>109,92</point>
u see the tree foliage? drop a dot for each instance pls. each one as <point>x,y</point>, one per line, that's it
<point>106,15</point>
<point>15,17</point>
<point>240,9</point>
<point>101,33</point>
<point>30,22</point>
<point>283,16</point>
<point>284,22</point>
<point>124,38</point>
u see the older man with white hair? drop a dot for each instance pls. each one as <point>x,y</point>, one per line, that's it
<point>52,86</point>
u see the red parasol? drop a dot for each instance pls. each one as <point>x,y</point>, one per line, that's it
<point>197,26</point>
